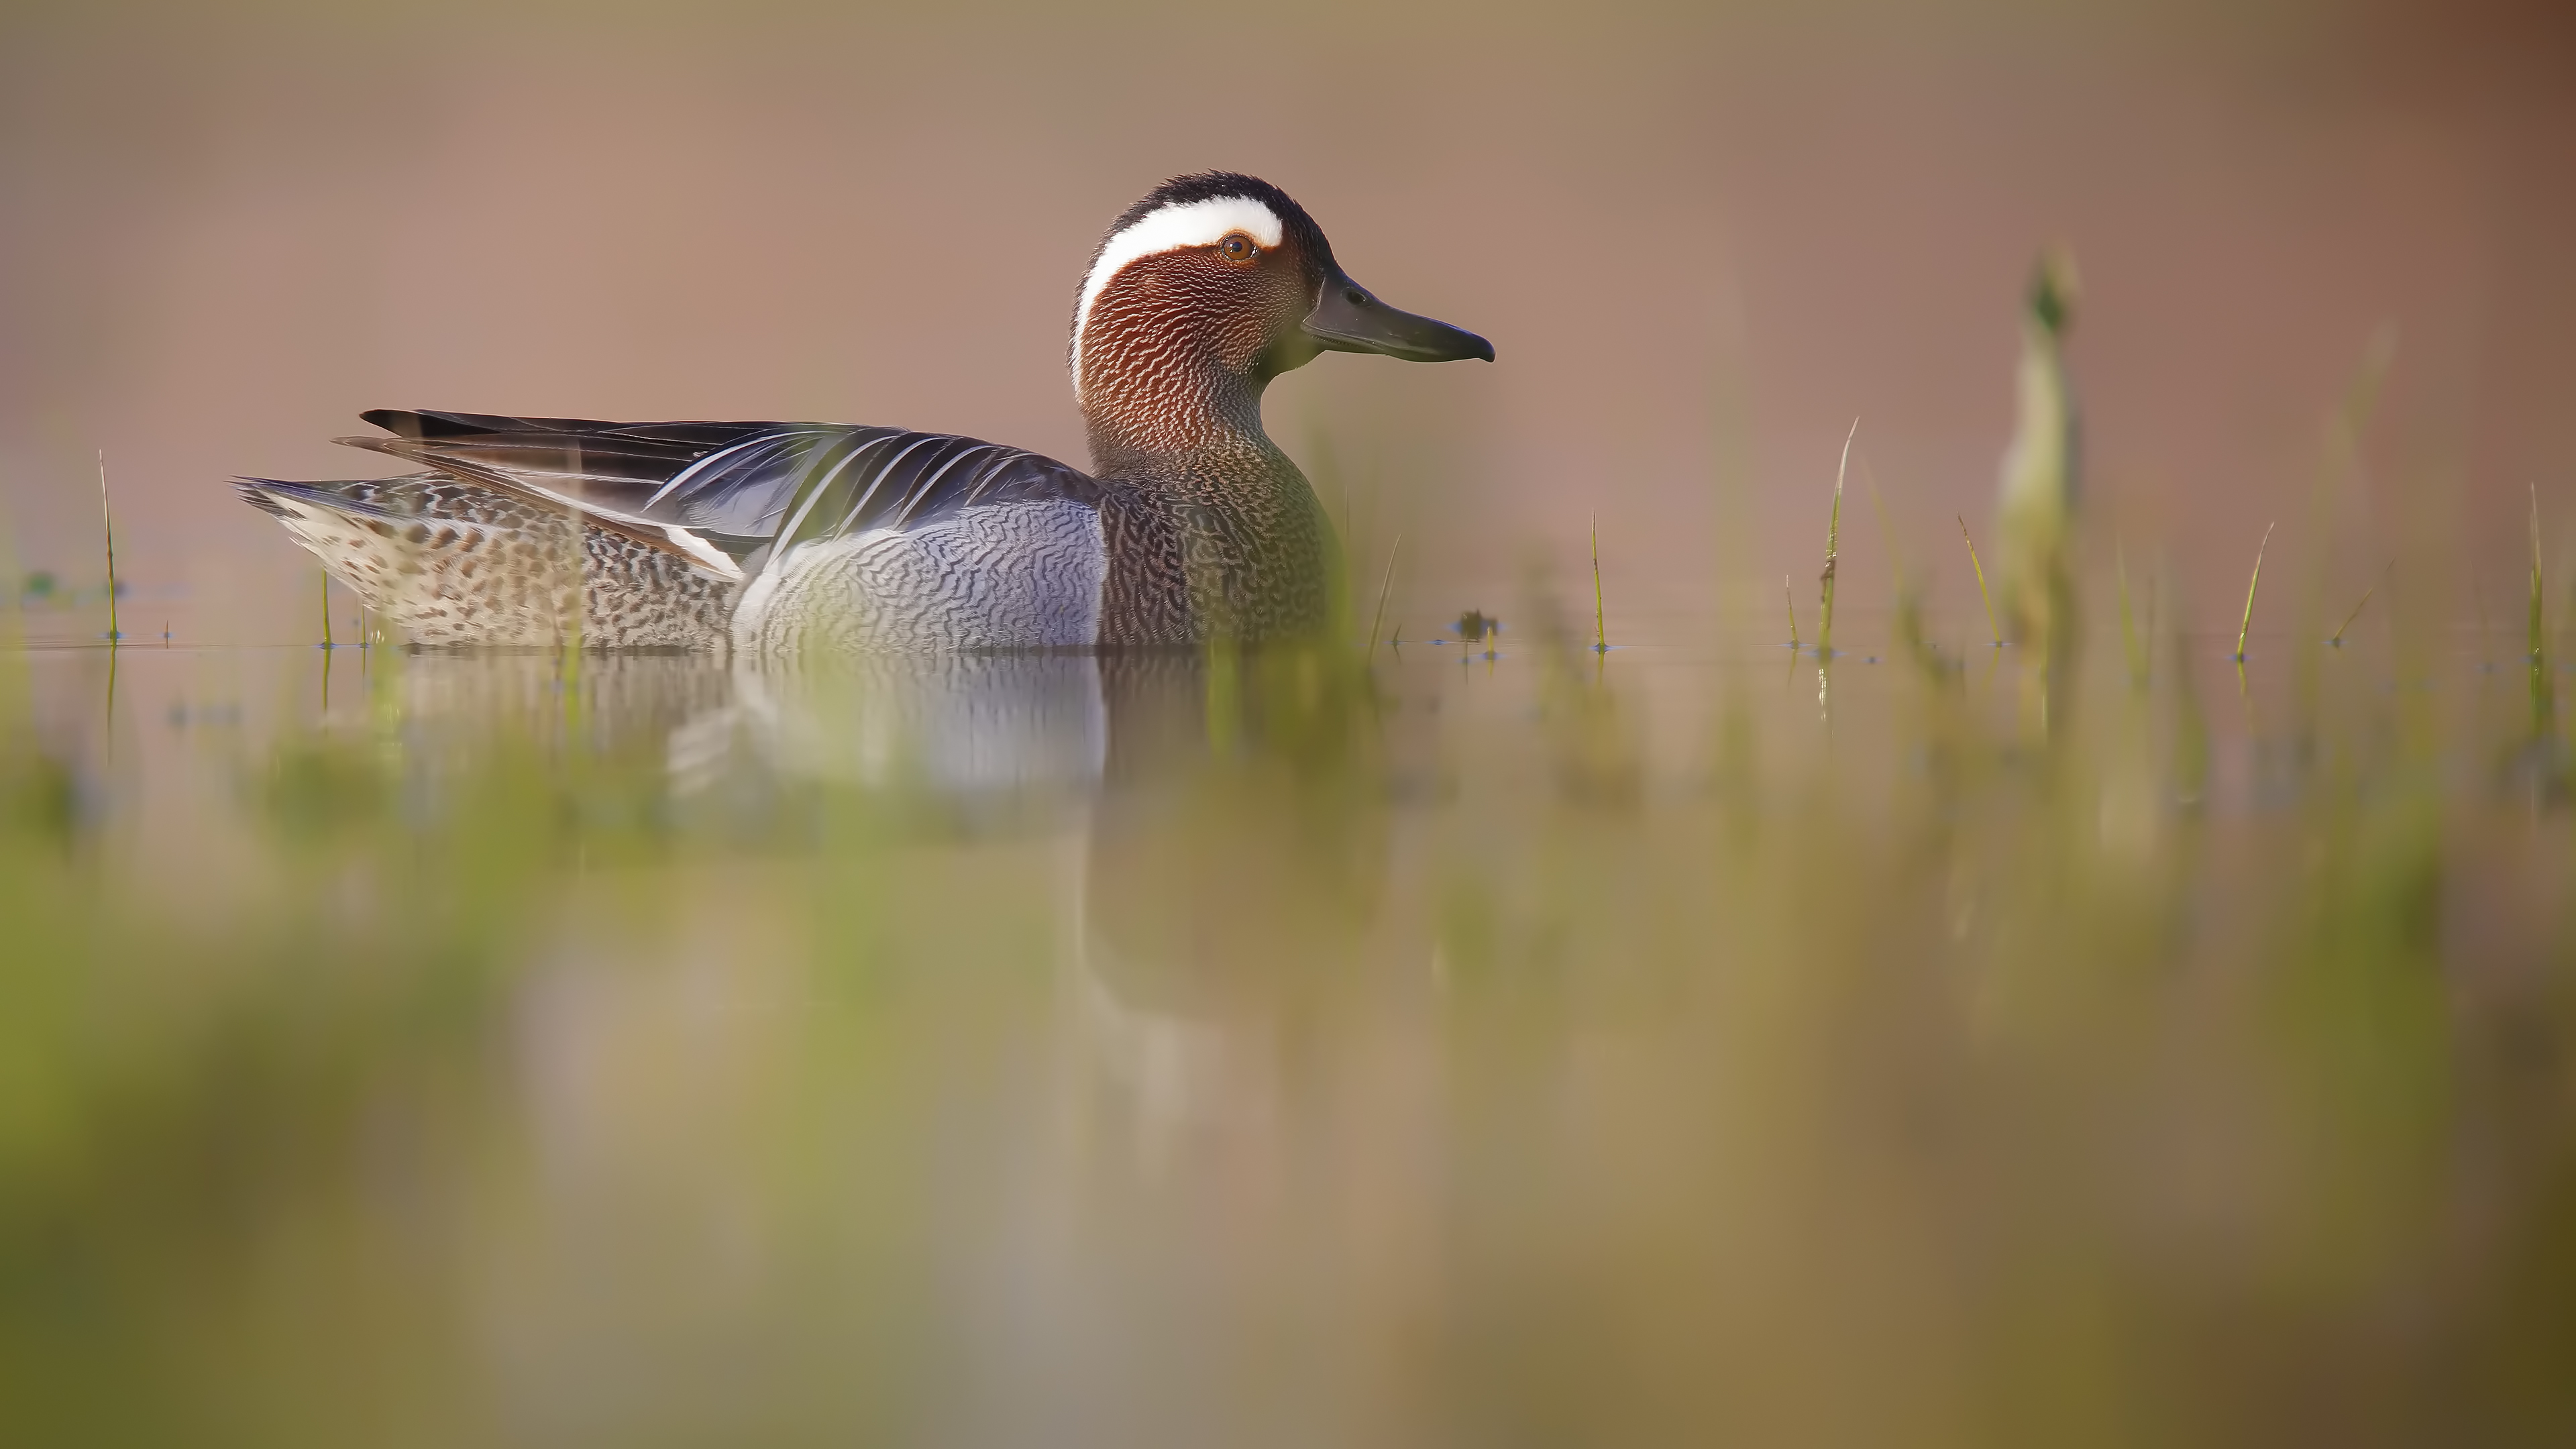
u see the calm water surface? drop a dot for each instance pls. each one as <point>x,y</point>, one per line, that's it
<point>1693,1045</point>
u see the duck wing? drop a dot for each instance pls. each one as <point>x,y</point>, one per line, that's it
<point>728,496</point>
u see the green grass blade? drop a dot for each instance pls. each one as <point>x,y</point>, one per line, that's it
<point>1833,548</point>
<point>2534,630</point>
<point>2337,638</point>
<point>2245,626</point>
<point>107,523</point>
<point>1384,583</point>
<point>1982,596</point>
<point>1600,634</point>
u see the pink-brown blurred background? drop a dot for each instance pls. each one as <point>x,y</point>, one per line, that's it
<point>1703,239</point>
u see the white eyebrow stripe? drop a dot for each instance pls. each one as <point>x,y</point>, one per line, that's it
<point>1168,229</point>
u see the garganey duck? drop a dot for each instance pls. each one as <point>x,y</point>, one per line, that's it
<point>1192,524</point>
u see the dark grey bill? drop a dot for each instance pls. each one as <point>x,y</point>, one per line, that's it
<point>1348,319</point>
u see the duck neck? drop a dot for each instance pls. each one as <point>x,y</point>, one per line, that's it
<point>1148,412</point>
<point>1217,533</point>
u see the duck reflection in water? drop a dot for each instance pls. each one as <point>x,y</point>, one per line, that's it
<point>1219,817</point>
<point>1223,837</point>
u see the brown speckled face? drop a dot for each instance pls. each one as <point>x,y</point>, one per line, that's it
<point>1177,344</point>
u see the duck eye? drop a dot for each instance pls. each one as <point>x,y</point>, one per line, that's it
<point>1237,247</point>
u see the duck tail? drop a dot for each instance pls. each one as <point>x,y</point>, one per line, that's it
<point>254,491</point>
<point>283,500</point>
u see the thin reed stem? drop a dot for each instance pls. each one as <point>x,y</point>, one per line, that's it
<point>1982,596</point>
<point>2336,640</point>
<point>107,524</point>
<point>2534,635</point>
<point>1790,595</point>
<point>326,608</point>
<point>1384,583</point>
<point>2544,702</point>
<point>2148,634</point>
<point>1600,633</point>
<point>2245,626</point>
<point>1833,548</point>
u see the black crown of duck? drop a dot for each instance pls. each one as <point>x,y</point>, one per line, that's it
<point>777,537</point>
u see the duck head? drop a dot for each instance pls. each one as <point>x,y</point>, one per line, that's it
<point>1205,290</point>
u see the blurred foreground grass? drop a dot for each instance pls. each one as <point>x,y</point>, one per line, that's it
<point>1671,1047</point>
